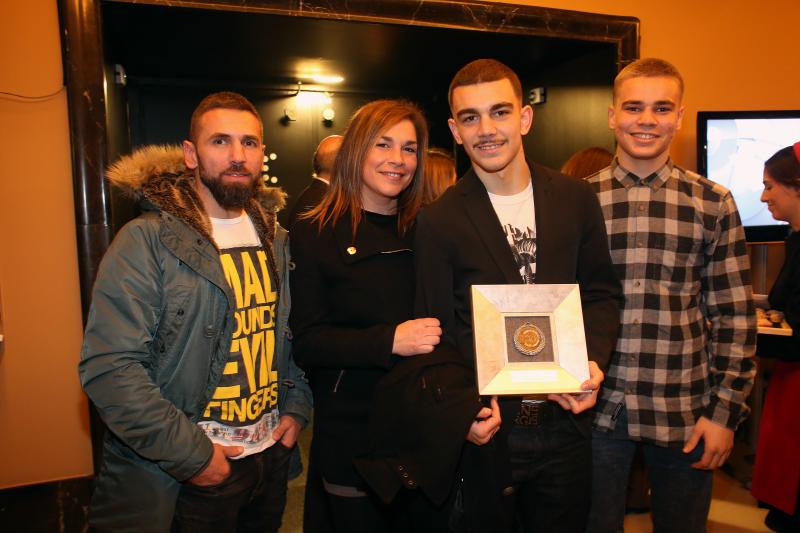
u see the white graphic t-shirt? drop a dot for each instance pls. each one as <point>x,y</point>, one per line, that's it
<point>243,410</point>
<point>516,214</point>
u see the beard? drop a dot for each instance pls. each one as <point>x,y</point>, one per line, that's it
<point>229,195</point>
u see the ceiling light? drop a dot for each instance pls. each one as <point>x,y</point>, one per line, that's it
<point>326,78</point>
<point>309,98</point>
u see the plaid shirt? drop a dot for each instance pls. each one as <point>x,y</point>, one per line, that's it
<point>688,327</point>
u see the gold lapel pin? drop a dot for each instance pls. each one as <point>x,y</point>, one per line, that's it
<point>351,250</point>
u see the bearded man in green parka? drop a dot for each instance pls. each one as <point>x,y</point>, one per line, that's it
<point>186,353</point>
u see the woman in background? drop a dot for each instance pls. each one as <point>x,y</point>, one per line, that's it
<point>353,296</point>
<point>586,162</point>
<point>776,476</point>
<point>440,174</point>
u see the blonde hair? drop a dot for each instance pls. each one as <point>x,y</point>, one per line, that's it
<point>344,193</point>
<point>648,67</point>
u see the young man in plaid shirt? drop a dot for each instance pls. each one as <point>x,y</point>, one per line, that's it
<point>683,364</point>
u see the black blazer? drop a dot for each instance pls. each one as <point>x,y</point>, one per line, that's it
<point>348,296</point>
<point>460,243</point>
<point>308,199</point>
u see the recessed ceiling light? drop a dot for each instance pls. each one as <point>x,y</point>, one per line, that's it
<point>325,78</point>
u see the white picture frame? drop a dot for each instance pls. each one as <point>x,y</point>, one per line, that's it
<point>529,339</point>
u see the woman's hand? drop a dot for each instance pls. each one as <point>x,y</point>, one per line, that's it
<point>414,337</point>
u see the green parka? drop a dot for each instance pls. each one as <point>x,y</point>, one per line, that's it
<point>157,339</point>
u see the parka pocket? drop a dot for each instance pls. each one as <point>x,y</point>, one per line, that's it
<point>174,314</point>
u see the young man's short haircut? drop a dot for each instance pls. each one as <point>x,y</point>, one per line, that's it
<point>483,71</point>
<point>648,67</point>
<point>221,100</point>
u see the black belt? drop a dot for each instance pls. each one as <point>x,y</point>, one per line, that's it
<point>538,414</point>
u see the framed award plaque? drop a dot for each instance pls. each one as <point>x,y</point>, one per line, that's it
<point>529,339</point>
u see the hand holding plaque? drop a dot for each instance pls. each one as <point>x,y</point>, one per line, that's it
<point>578,403</point>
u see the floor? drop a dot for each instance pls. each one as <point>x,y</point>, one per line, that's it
<point>733,510</point>
<point>293,515</point>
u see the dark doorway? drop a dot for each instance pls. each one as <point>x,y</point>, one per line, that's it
<point>173,57</point>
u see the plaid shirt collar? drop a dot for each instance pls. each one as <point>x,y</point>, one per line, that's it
<point>628,179</point>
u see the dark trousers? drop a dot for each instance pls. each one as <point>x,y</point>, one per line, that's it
<point>363,514</point>
<point>681,495</point>
<point>251,499</point>
<point>551,472</point>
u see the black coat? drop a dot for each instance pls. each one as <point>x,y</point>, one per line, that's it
<point>349,294</point>
<point>461,243</point>
<point>423,408</point>
<point>785,296</point>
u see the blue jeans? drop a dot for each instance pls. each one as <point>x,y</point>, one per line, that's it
<point>251,499</point>
<point>680,494</point>
<point>551,472</point>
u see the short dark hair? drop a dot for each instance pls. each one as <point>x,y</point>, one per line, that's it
<point>648,67</point>
<point>221,100</point>
<point>483,71</point>
<point>784,167</point>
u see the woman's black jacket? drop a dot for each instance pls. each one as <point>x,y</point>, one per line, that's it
<point>349,293</point>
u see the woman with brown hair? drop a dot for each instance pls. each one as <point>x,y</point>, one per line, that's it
<point>353,296</point>
<point>440,174</point>
<point>776,475</point>
<point>586,162</point>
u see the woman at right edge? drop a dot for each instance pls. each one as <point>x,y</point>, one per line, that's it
<point>776,476</point>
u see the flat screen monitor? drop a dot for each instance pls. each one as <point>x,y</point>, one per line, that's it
<point>731,149</point>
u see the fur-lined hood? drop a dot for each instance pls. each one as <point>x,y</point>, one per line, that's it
<point>152,168</point>
<point>158,175</point>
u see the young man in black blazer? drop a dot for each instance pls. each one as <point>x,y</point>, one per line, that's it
<point>512,221</point>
